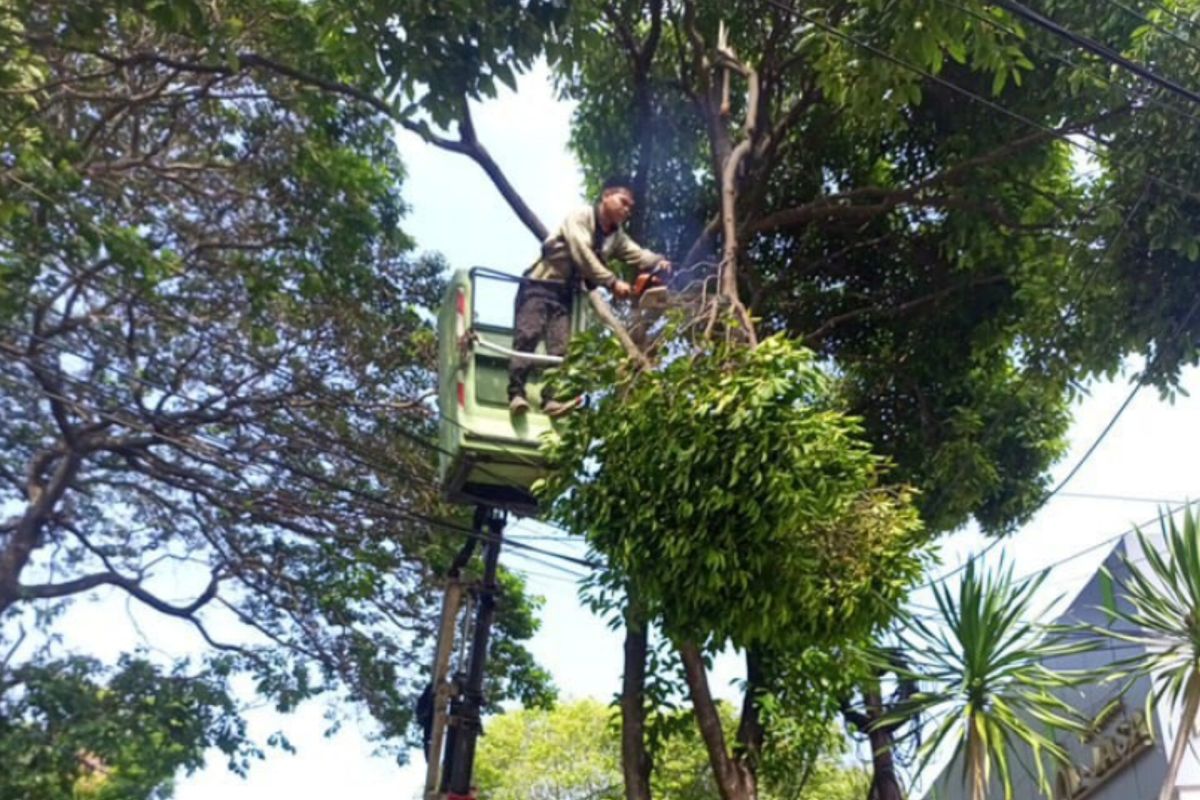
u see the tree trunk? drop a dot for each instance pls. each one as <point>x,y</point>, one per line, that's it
<point>885,785</point>
<point>1191,702</point>
<point>750,733</point>
<point>734,780</point>
<point>635,762</point>
<point>976,763</point>
<point>26,536</point>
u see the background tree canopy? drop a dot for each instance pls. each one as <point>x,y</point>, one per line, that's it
<point>960,211</point>
<point>572,753</point>
<point>956,214</point>
<point>215,355</point>
<point>64,735</point>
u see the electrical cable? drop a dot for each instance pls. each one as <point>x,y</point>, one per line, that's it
<point>290,377</point>
<point>1098,48</point>
<point>1061,59</point>
<point>1110,540</point>
<point>1058,134</point>
<point>1167,31</point>
<point>1095,443</point>
<point>219,450</point>
<point>1122,498</point>
<point>416,438</point>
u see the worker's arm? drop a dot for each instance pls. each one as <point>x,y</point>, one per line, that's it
<point>633,254</point>
<point>579,242</point>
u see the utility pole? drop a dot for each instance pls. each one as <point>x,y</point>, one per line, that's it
<point>465,710</point>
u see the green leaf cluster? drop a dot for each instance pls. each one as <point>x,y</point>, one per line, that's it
<point>572,752</point>
<point>201,246</point>
<point>1158,613</point>
<point>962,266</point>
<point>72,730</point>
<point>734,495</point>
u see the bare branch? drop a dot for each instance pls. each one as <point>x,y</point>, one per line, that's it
<point>129,585</point>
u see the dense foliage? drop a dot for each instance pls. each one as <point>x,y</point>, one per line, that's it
<point>571,753</point>
<point>214,342</point>
<point>215,350</point>
<point>731,490</point>
<point>959,209</point>
<point>69,731</point>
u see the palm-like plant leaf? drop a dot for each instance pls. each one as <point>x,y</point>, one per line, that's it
<point>984,679</point>
<point>1161,614</point>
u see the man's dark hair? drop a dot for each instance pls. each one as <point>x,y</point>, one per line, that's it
<point>616,183</point>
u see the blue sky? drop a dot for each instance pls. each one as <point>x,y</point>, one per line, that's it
<point>455,210</point>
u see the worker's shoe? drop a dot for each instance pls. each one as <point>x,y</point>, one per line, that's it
<point>518,405</point>
<point>558,408</point>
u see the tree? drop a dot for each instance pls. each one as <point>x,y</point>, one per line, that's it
<point>902,197</point>
<point>564,753</point>
<point>771,530</point>
<point>876,719</point>
<point>215,360</point>
<point>946,258</point>
<point>65,735</point>
<point>985,682</point>
<point>573,752</point>
<point>1158,613</point>
<point>945,254</point>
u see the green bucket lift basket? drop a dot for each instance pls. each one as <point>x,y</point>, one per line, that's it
<point>488,456</point>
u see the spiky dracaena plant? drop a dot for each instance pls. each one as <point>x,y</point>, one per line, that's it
<point>1161,615</point>
<point>985,684</point>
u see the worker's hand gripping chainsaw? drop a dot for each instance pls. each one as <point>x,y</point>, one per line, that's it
<point>650,288</point>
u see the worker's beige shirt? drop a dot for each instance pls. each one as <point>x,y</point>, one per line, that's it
<point>576,241</point>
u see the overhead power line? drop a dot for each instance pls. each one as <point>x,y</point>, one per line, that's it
<point>1160,501</point>
<point>1133,12</point>
<point>220,451</point>
<point>1065,133</point>
<point>289,376</point>
<point>1059,134</point>
<point>1151,99</point>
<point>1111,540</point>
<point>1108,541</point>
<point>1098,48</point>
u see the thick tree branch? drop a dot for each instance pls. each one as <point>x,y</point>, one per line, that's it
<point>479,154</point>
<point>733,781</point>
<point>26,536</point>
<point>827,327</point>
<point>635,761</point>
<point>605,313</point>
<point>129,585</point>
<point>843,205</point>
<point>624,35</point>
<point>467,145</point>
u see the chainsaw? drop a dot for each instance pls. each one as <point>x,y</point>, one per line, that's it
<point>650,288</point>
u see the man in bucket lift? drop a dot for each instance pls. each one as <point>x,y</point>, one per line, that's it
<point>578,251</point>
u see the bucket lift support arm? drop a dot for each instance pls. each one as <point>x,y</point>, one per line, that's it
<point>462,724</point>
